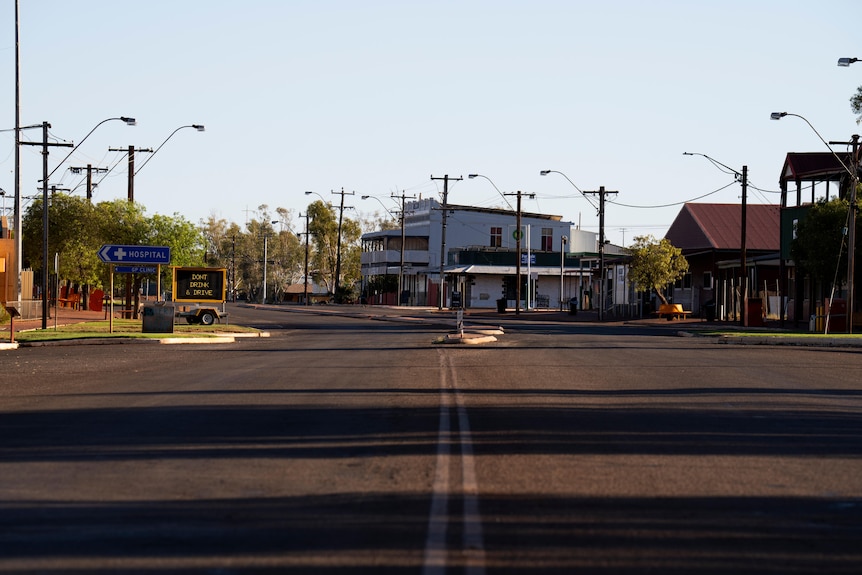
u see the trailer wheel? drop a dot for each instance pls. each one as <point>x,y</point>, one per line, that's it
<point>207,318</point>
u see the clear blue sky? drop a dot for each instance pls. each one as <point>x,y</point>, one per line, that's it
<point>377,96</point>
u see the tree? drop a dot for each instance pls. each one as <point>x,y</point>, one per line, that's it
<point>376,222</point>
<point>73,233</point>
<point>219,246</point>
<point>77,229</point>
<point>856,104</point>
<point>351,259</point>
<point>819,248</point>
<point>323,225</point>
<point>656,264</point>
<point>186,241</point>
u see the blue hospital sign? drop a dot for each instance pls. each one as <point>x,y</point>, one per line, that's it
<point>111,254</point>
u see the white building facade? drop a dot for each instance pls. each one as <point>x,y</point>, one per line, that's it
<point>485,278</point>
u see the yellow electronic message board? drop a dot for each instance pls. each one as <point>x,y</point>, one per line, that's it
<point>199,284</point>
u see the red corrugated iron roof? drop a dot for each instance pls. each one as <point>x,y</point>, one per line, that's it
<point>717,226</point>
<point>815,166</point>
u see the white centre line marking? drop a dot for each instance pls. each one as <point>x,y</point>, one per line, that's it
<point>436,552</point>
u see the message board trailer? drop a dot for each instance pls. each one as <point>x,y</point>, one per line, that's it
<point>204,287</point>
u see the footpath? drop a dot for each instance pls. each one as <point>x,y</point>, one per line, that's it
<point>64,316</point>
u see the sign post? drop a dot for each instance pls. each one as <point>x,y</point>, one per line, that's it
<point>129,256</point>
<point>111,305</point>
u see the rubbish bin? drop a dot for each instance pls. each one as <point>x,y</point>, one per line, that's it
<point>837,315</point>
<point>96,300</point>
<point>501,305</point>
<point>709,310</point>
<point>754,312</point>
<point>573,306</point>
<point>158,318</point>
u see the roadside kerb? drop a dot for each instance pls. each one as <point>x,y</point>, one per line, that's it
<point>224,338</point>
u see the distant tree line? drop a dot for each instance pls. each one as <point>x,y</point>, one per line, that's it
<point>78,229</point>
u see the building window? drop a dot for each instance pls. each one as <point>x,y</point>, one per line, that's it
<point>496,237</point>
<point>707,280</point>
<point>547,239</point>
<point>684,282</point>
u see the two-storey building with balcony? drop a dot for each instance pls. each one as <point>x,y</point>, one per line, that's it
<point>480,279</point>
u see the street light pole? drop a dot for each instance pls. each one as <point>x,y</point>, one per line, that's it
<point>743,257</point>
<point>265,258</point>
<point>851,229</point>
<point>851,215</point>
<point>505,199</point>
<point>851,236</point>
<point>403,241</point>
<point>602,193</point>
<point>198,127</point>
<point>126,119</point>
<point>305,287</point>
<point>233,268</point>
<point>45,145</point>
<point>45,178</point>
<point>546,172</point>
<point>518,256</point>
<point>45,175</point>
<point>265,238</point>
<point>338,245</point>
<point>518,236</point>
<point>18,206</point>
<point>445,179</point>
<point>600,209</point>
<point>563,241</point>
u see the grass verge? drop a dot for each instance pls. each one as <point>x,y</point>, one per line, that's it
<point>788,335</point>
<point>124,328</point>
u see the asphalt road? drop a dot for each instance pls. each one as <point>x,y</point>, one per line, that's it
<point>352,445</point>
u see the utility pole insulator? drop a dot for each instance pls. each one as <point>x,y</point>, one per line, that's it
<point>90,169</point>
<point>131,152</point>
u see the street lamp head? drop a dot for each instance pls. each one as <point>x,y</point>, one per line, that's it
<point>471,176</point>
<point>777,115</point>
<point>544,172</point>
<point>363,197</point>
<point>844,62</point>
<point>308,193</point>
<point>199,127</point>
<point>129,121</point>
